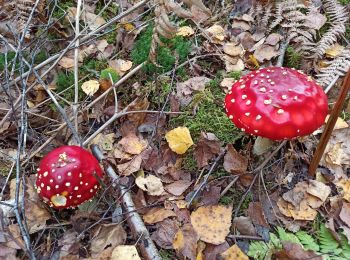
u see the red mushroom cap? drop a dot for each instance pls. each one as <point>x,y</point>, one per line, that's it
<point>66,177</point>
<point>277,103</point>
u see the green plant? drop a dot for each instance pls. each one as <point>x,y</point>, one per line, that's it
<point>6,58</point>
<point>235,74</point>
<point>293,58</point>
<point>322,243</point>
<point>165,55</point>
<point>61,8</point>
<point>109,73</point>
<point>109,12</point>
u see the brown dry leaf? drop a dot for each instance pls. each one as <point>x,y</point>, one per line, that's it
<point>206,149</point>
<point>7,253</point>
<point>283,207</point>
<point>292,251</point>
<point>233,64</point>
<point>179,139</point>
<point>138,118</point>
<point>234,253</point>
<point>256,214</point>
<point>319,190</point>
<point>265,52</point>
<point>152,184</point>
<point>107,235</point>
<point>69,244</point>
<point>66,62</point>
<point>156,215</point>
<point>227,83</point>
<point>184,90</point>
<point>315,20</point>
<point>90,87</point>
<point>185,241</point>
<point>273,39</point>
<point>132,144</point>
<point>165,233</point>
<point>233,49</point>
<point>334,51</point>
<point>217,33</point>
<point>121,66</point>
<point>244,225</point>
<point>178,187</point>
<point>345,213</point>
<point>234,162</point>
<point>303,212</point>
<point>344,186</point>
<point>185,31</point>
<point>125,252</point>
<point>212,223</point>
<point>200,248</point>
<point>92,20</point>
<point>104,141</point>
<point>131,166</point>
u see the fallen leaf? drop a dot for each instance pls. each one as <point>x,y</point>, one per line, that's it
<point>121,66</point>
<point>152,184</point>
<point>292,251</point>
<point>244,225</point>
<point>179,139</point>
<point>212,223</point>
<point>314,19</point>
<point>104,141</point>
<point>69,244</point>
<point>66,62</point>
<point>227,83</point>
<point>206,149</point>
<point>185,31</point>
<point>217,33</point>
<point>132,144</point>
<point>130,167</point>
<point>256,214</point>
<point>265,52</point>
<point>185,241</point>
<point>165,233</point>
<point>125,252</point>
<point>200,250</point>
<point>107,235</point>
<point>344,185</point>
<point>232,49</point>
<point>156,215</point>
<point>234,253</point>
<point>334,51</point>
<point>234,162</point>
<point>178,187</point>
<point>92,20</point>
<point>318,189</point>
<point>184,90</point>
<point>213,251</point>
<point>345,213</point>
<point>90,87</point>
<point>232,64</point>
<point>273,39</point>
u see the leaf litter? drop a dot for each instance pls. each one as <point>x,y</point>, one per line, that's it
<point>164,161</point>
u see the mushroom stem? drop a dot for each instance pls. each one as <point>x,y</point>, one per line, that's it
<point>330,125</point>
<point>148,249</point>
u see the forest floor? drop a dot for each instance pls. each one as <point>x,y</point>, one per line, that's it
<point>145,82</point>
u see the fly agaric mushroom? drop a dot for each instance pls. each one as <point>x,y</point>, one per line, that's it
<point>66,177</point>
<point>276,103</point>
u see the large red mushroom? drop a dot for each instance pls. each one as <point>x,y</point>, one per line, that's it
<point>277,103</point>
<point>68,176</point>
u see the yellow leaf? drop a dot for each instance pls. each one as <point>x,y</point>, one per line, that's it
<point>212,223</point>
<point>234,253</point>
<point>152,184</point>
<point>185,31</point>
<point>334,51</point>
<point>344,185</point>
<point>128,27</point>
<point>179,241</point>
<point>132,144</point>
<point>157,215</point>
<point>90,87</point>
<point>179,139</point>
<point>125,252</point>
<point>200,248</point>
<point>217,33</point>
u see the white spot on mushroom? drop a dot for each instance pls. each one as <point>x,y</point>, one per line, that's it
<point>240,80</point>
<point>53,170</point>
<point>247,114</point>
<point>262,81</point>
<point>70,197</point>
<point>42,185</point>
<point>248,102</point>
<point>284,72</point>
<point>233,100</point>
<point>73,160</point>
<point>38,190</point>
<point>76,188</point>
<point>57,186</point>
<point>95,186</point>
<point>284,97</point>
<point>75,166</point>
<point>262,75</point>
<point>81,183</point>
<point>258,117</point>
<point>45,174</point>
<point>91,190</point>
<point>86,184</point>
<point>268,70</point>
<point>243,130</point>
<point>51,180</point>
<point>298,131</point>
<point>269,80</point>
<point>226,110</point>
<point>280,111</point>
<point>39,176</point>
<point>267,101</point>
<point>59,177</point>
<point>242,86</point>
<point>289,89</point>
<point>271,91</point>
<point>38,169</point>
<point>262,89</point>
<point>256,131</point>
<point>230,92</point>
<point>295,98</point>
<point>48,187</point>
<point>78,196</point>
<point>244,96</point>
<point>53,165</point>
<point>69,174</point>
<point>267,76</point>
<point>230,116</point>
<point>293,68</point>
<point>272,83</point>
<point>255,82</point>
<point>67,184</point>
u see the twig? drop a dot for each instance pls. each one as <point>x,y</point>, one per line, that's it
<point>330,125</point>
<point>212,168</point>
<point>139,230</point>
<point>283,49</point>
<point>246,237</point>
<point>229,186</point>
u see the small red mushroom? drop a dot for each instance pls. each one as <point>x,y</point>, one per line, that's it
<point>277,103</point>
<point>66,177</point>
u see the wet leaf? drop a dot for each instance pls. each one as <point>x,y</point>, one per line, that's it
<point>212,223</point>
<point>179,139</point>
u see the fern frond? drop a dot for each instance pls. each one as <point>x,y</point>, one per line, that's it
<point>287,236</point>
<point>328,244</point>
<point>307,241</point>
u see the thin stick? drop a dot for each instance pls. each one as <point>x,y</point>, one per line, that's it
<point>139,230</point>
<point>330,125</point>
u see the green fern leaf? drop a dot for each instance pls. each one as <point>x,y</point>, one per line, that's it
<point>345,246</point>
<point>258,250</point>
<point>287,236</point>
<point>328,244</point>
<point>274,242</point>
<point>307,241</point>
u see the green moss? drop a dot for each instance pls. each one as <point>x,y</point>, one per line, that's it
<point>293,58</point>
<point>109,12</point>
<point>344,2</point>
<point>64,84</point>
<point>108,74</point>
<point>166,254</point>
<point>9,57</point>
<point>235,74</point>
<point>61,8</point>
<point>165,58</point>
<point>210,115</point>
<point>111,37</point>
<point>40,56</point>
<point>189,163</point>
